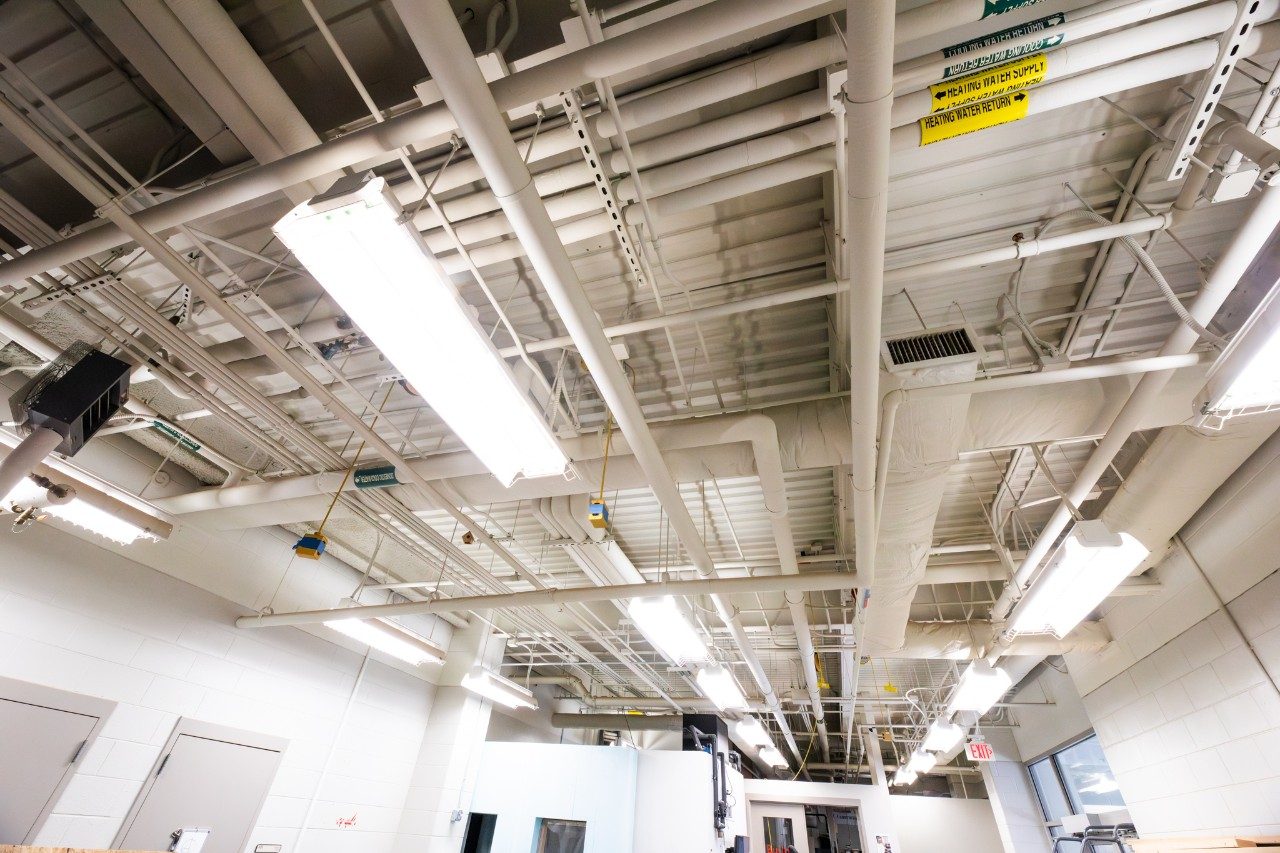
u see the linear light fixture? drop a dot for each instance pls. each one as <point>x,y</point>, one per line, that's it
<point>719,685</point>
<point>921,762</point>
<point>1087,567</point>
<point>1246,376</point>
<point>903,776</point>
<point>981,685</point>
<point>773,756</point>
<point>750,730</point>
<point>95,505</point>
<point>358,244</point>
<point>665,625</point>
<point>942,736</point>
<point>494,687</point>
<point>388,637</point>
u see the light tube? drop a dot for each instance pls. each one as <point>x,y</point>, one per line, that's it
<point>942,736</point>
<point>719,685</point>
<point>921,762</point>
<point>665,625</point>
<point>494,687</point>
<point>772,756</point>
<point>29,495</point>
<point>751,731</point>
<point>1087,567</point>
<point>903,776</point>
<point>371,259</point>
<point>981,685</point>
<point>1247,374</point>
<point>388,637</point>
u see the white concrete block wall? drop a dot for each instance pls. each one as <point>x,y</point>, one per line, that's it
<point>1188,718</point>
<point>1192,730</point>
<point>1018,816</point>
<point>80,618</point>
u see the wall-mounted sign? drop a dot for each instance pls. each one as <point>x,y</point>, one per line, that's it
<point>979,750</point>
<point>375,478</point>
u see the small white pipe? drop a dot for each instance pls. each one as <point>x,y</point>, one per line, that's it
<point>553,598</point>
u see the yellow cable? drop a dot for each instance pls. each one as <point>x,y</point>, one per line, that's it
<point>356,460</point>
<point>608,440</point>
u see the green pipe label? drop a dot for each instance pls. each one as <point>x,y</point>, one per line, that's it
<point>376,478</point>
<point>999,7</point>
<point>182,440</point>
<point>967,66</point>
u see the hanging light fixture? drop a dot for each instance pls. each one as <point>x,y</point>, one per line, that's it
<point>751,731</point>
<point>665,625</point>
<point>921,762</point>
<point>943,735</point>
<point>772,756</point>
<point>980,686</point>
<point>358,244</point>
<point>1087,567</point>
<point>719,685</point>
<point>494,687</point>
<point>386,636</point>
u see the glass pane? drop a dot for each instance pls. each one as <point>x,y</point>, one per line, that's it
<point>562,836</point>
<point>1052,799</point>
<point>1088,778</point>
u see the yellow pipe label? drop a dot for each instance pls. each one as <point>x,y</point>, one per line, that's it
<point>1019,74</point>
<point>1001,109</point>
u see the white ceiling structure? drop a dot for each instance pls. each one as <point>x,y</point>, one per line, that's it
<point>744,231</point>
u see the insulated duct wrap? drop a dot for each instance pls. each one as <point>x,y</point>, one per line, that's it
<point>926,441</point>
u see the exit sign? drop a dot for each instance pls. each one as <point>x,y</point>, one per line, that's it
<point>979,750</point>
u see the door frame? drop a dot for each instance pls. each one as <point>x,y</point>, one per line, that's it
<point>28,693</point>
<point>208,731</point>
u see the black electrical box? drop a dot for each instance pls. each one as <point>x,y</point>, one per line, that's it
<point>74,396</point>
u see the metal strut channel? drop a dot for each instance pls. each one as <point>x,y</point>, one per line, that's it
<point>589,144</point>
<point>1212,86</point>
<point>37,303</point>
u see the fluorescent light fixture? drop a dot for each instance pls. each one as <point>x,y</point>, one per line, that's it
<point>903,776</point>
<point>28,495</point>
<point>1087,567</point>
<point>772,756</point>
<point>1247,374</point>
<point>357,243</point>
<point>100,507</point>
<point>494,687</point>
<point>942,736</point>
<point>719,685</point>
<point>665,625</point>
<point>388,637</point>
<point>921,762</point>
<point>751,730</point>
<point>981,685</point>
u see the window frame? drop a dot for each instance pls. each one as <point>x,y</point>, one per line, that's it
<point>1064,789</point>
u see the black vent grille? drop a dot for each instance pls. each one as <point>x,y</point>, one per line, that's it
<point>930,347</point>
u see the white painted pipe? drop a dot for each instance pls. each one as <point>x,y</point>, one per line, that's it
<point>1248,240</point>
<point>719,25</point>
<point>30,452</point>
<point>435,33</point>
<point>559,597</point>
<point>1075,25</point>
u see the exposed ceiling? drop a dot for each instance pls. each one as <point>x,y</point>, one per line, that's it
<point>136,91</point>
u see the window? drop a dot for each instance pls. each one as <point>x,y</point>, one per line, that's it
<point>479,837</point>
<point>1073,780</point>
<point>561,836</point>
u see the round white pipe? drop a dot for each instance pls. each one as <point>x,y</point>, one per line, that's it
<point>1248,240</point>
<point>19,462</point>
<point>558,597</point>
<point>718,25</point>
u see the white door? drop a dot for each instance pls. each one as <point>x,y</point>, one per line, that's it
<point>38,746</point>
<point>204,783</point>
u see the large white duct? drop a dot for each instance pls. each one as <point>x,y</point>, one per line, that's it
<point>810,435</point>
<point>926,442</point>
<point>970,640</point>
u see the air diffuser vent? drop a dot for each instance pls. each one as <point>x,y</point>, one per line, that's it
<point>930,349</point>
